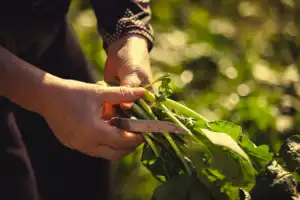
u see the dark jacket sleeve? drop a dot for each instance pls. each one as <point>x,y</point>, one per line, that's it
<point>117,18</point>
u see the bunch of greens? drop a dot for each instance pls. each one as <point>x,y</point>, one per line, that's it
<point>214,160</point>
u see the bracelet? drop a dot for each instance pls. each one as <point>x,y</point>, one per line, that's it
<point>130,24</point>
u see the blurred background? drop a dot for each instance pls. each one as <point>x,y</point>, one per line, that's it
<point>233,60</point>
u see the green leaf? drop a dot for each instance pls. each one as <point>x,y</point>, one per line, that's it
<point>164,89</point>
<point>229,128</point>
<point>259,155</point>
<point>235,169</point>
<point>223,140</point>
<point>226,156</point>
<point>183,187</point>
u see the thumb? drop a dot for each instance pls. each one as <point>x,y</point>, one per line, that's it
<point>122,94</point>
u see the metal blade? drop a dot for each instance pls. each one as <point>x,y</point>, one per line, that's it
<point>143,126</point>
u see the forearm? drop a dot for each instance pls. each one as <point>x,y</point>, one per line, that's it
<point>23,83</point>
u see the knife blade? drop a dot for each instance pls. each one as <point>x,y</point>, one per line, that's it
<point>144,126</point>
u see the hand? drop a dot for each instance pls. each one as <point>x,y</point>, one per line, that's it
<point>128,59</point>
<point>75,114</point>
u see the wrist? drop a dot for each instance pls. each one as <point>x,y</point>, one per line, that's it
<point>137,41</point>
<point>140,31</point>
<point>38,94</point>
<point>48,93</point>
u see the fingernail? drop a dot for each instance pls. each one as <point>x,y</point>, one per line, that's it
<point>126,105</point>
<point>128,134</point>
<point>139,90</point>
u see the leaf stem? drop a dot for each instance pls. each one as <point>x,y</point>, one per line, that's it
<point>139,111</point>
<point>176,106</point>
<point>167,136</point>
<point>151,144</point>
<point>147,108</point>
<point>183,109</point>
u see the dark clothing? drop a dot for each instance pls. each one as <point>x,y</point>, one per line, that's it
<point>33,163</point>
<point>115,17</point>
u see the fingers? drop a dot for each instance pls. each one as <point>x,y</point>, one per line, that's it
<point>118,95</point>
<point>137,78</point>
<point>109,153</point>
<point>124,139</point>
<point>118,138</point>
<point>131,80</point>
<point>109,142</point>
<point>110,71</point>
<point>108,111</point>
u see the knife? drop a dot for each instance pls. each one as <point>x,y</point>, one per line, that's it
<point>146,126</point>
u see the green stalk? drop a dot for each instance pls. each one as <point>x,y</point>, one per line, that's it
<point>183,109</point>
<point>150,142</point>
<point>176,106</point>
<point>150,97</point>
<point>141,113</point>
<point>147,108</point>
<point>170,114</point>
<point>176,121</point>
<point>168,137</point>
<point>178,153</point>
<point>145,115</point>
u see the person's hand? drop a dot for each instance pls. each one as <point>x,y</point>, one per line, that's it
<point>75,115</point>
<point>128,60</point>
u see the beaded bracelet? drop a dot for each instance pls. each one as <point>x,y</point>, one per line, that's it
<point>130,24</point>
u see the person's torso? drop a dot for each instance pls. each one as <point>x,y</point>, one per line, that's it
<point>22,14</point>
<point>34,7</point>
<point>25,22</point>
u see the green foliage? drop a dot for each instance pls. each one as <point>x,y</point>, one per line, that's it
<point>228,158</point>
<point>231,129</point>
<point>210,153</point>
<point>232,60</point>
<point>259,156</point>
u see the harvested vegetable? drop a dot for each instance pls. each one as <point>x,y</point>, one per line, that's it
<point>215,160</point>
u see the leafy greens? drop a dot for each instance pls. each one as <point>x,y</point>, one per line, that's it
<point>215,160</point>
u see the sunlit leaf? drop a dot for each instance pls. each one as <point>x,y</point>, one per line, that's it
<point>226,127</point>
<point>259,155</point>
